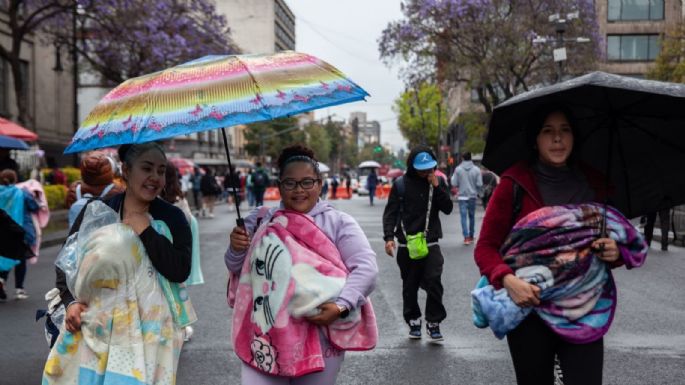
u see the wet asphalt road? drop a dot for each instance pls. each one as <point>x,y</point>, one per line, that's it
<point>646,344</point>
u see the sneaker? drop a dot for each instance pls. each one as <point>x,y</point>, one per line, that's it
<point>187,333</point>
<point>415,329</point>
<point>3,295</point>
<point>21,294</point>
<point>468,240</point>
<point>433,331</point>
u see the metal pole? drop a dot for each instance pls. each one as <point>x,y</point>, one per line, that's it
<point>239,221</point>
<point>74,58</point>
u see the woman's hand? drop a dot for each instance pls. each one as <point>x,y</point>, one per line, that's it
<point>433,179</point>
<point>72,321</point>
<point>523,294</point>
<point>390,247</point>
<point>240,239</point>
<point>606,249</point>
<point>138,222</point>
<point>329,313</point>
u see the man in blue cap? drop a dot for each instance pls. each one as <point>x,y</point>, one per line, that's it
<point>412,211</point>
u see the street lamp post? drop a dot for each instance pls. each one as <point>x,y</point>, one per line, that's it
<point>559,53</point>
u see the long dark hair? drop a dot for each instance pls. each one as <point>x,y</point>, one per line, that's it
<point>172,189</point>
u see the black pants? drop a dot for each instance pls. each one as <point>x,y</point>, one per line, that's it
<point>425,274</point>
<point>533,346</point>
<point>19,274</point>
<point>664,219</point>
<point>259,196</point>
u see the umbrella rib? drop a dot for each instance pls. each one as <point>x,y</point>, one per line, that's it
<point>256,85</point>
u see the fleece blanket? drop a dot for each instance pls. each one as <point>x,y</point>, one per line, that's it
<point>551,248</point>
<point>131,331</point>
<point>41,217</point>
<point>291,268</point>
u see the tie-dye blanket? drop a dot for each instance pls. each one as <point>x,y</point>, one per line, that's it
<point>550,248</point>
<point>291,268</point>
<point>130,333</point>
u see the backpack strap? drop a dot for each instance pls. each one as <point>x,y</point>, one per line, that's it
<point>517,203</point>
<point>79,218</point>
<point>106,190</point>
<point>399,182</point>
<point>78,191</point>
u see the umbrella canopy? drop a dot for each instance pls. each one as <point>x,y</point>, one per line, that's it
<point>11,129</point>
<point>323,167</point>
<point>183,165</point>
<point>369,164</point>
<point>395,172</point>
<point>213,92</point>
<point>12,143</point>
<point>630,129</point>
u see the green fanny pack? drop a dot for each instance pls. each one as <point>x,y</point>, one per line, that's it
<point>417,246</point>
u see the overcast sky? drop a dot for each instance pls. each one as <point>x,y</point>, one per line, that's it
<point>345,34</point>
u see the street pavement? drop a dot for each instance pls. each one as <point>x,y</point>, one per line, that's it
<point>646,344</point>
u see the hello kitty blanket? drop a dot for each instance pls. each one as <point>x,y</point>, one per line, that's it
<point>291,268</point>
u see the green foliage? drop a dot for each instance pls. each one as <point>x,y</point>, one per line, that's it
<point>73,174</point>
<point>55,195</point>
<point>374,151</point>
<point>266,139</point>
<point>474,124</point>
<point>670,64</point>
<point>318,140</point>
<point>418,112</point>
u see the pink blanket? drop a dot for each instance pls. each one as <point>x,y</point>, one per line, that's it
<point>291,268</point>
<point>40,217</point>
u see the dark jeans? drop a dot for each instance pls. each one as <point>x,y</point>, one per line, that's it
<point>372,194</point>
<point>425,274</point>
<point>533,346</point>
<point>196,198</point>
<point>259,197</point>
<point>664,219</point>
<point>19,275</point>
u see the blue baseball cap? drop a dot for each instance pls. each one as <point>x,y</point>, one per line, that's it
<point>424,161</point>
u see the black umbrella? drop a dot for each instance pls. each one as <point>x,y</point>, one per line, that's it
<point>633,130</point>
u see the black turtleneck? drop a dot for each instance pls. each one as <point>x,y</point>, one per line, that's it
<point>562,185</point>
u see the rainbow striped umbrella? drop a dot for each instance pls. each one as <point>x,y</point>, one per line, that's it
<point>213,92</point>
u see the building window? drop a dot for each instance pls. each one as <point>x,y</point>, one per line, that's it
<point>632,47</point>
<point>627,10</point>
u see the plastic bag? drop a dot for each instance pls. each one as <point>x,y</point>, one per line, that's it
<point>97,215</point>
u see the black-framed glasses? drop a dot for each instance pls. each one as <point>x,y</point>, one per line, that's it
<point>291,184</point>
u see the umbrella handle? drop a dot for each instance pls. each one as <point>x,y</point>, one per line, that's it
<point>240,222</point>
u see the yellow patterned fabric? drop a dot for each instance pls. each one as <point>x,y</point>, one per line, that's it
<point>128,335</point>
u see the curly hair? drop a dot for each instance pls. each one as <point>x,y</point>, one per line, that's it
<point>297,153</point>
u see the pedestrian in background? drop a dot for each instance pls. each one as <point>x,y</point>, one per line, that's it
<point>468,181</point>
<point>334,187</point>
<point>665,223</point>
<point>231,182</point>
<point>197,186</point>
<point>371,183</point>
<point>260,181</point>
<point>348,184</point>
<point>210,191</point>
<point>413,213</point>
<point>19,204</point>
<point>551,176</point>
<point>307,345</point>
<point>6,161</point>
<point>490,181</point>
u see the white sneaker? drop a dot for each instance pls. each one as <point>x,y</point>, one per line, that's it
<point>187,333</point>
<point>21,294</point>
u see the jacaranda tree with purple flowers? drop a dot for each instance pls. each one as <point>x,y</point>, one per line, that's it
<point>121,39</point>
<point>487,44</point>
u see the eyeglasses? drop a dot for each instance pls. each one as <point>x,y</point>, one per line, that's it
<point>306,184</point>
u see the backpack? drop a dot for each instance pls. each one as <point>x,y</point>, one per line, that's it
<point>81,201</point>
<point>259,179</point>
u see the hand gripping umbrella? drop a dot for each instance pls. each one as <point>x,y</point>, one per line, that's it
<point>213,92</point>
<point>631,129</point>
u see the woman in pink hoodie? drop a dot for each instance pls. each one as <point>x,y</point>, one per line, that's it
<point>300,185</point>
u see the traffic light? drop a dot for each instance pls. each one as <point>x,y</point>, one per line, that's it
<point>378,149</point>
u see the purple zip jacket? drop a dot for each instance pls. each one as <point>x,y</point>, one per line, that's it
<point>347,236</point>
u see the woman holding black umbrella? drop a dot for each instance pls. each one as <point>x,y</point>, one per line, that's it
<point>550,177</point>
